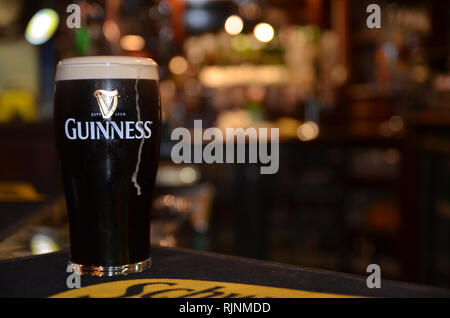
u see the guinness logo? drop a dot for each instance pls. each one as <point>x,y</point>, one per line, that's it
<point>107,102</point>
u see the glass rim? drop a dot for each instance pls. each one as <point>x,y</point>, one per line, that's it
<point>106,67</point>
<point>107,60</point>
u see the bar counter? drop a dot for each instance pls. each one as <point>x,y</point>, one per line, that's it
<point>175,272</point>
<point>186,273</point>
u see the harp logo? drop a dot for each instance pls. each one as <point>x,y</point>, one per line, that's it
<point>107,102</point>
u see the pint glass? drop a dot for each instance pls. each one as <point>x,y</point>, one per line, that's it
<point>107,129</point>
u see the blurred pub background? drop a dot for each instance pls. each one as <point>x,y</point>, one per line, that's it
<point>363,114</point>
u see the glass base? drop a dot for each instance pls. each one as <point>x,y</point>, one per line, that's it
<point>92,270</point>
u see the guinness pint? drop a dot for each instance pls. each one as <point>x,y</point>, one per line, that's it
<point>107,127</point>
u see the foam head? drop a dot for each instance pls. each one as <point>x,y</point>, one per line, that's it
<point>102,67</point>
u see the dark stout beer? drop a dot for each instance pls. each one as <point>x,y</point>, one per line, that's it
<point>107,127</point>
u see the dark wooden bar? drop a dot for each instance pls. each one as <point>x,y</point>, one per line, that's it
<point>45,276</point>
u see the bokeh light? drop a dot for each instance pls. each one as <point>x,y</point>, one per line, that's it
<point>188,175</point>
<point>264,32</point>
<point>42,26</point>
<point>307,131</point>
<point>178,65</point>
<point>234,25</point>
<point>111,31</point>
<point>132,43</point>
<point>396,123</point>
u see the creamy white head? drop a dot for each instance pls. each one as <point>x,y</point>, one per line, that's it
<point>101,67</point>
